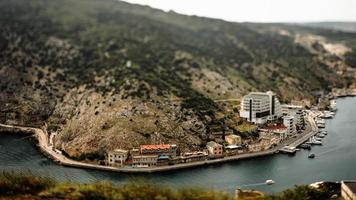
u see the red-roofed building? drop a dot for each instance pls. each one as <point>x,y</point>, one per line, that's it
<point>159,149</point>
<point>277,129</point>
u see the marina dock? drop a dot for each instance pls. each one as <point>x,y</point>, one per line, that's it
<point>292,147</point>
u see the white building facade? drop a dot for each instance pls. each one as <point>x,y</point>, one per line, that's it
<point>295,111</point>
<point>259,107</point>
<point>288,122</point>
<point>117,157</point>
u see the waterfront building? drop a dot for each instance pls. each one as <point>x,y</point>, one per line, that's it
<point>159,149</point>
<point>215,150</point>
<point>259,107</point>
<point>117,157</point>
<point>233,139</point>
<point>281,134</point>
<point>296,111</point>
<point>144,160</point>
<point>348,190</point>
<point>288,122</point>
<point>134,152</point>
<point>231,150</point>
<point>278,131</point>
<point>194,156</point>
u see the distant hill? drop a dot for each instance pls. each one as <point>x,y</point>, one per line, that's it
<point>108,74</point>
<point>340,26</point>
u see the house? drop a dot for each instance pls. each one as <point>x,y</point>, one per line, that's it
<point>144,160</point>
<point>215,150</point>
<point>194,156</point>
<point>159,149</point>
<point>278,131</point>
<point>117,157</point>
<point>231,150</point>
<point>233,139</point>
<point>348,190</point>
<point>259,107</point>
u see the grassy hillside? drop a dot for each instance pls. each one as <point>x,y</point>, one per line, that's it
<point>108,74</point>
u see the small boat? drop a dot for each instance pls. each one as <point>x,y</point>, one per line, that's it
<point>317,142</point>
<point>320,135</point>
<point>323,132</point>
<point>311,155</point>
<point>305,146</point>
<point>321,125</point>
<point>270,182</point>
<point>327,115</point>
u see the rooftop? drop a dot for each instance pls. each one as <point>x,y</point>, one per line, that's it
<point>271,127</point>
<point>259,95</point>
<point>232,136</point>
<point>119,151</point>
<point>351,185</point>
<point>289,106</point>
<point>233,147</point>
<point>145,156</point>
<point>156,146</point>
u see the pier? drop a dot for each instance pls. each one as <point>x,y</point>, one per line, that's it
<point>310,131</point>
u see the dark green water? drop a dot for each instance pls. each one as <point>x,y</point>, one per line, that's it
<point>335,160</point>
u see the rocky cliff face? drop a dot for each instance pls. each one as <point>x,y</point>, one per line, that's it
<point>107,74</point>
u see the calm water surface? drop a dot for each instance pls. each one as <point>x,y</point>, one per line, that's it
<point>335,160</point>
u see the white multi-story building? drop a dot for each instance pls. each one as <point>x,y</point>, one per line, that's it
<point>117,157</point>
<point>288,122</point>
<point>295,111</point>
<point>259,107</point>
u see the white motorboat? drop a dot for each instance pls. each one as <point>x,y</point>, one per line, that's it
<point>315,141</point>
<point>321,125</point>
<point>270,182</point>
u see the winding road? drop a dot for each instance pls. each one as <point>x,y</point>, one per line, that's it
<point>46,147</point>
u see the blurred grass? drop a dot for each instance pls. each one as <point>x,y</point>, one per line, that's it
<point>27,186</point>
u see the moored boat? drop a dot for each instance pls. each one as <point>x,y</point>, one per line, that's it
<point>305,146</point>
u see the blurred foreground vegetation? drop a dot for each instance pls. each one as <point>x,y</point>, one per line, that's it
<point>14,186</point>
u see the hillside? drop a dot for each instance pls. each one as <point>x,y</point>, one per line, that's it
<point>337,26</point>
<point>108,74</point>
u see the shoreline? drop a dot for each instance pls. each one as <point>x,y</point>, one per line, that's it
<point>49,152</point>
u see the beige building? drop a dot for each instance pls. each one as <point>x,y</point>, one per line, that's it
<point>117,157</point>
<point>233,139</point>
<point>348,190</point>
<point>215,150</point>
<point>144,160</point>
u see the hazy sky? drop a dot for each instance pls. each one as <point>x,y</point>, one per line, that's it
<point>261,10</point>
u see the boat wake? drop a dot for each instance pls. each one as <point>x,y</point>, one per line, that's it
<point>328,151</point>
